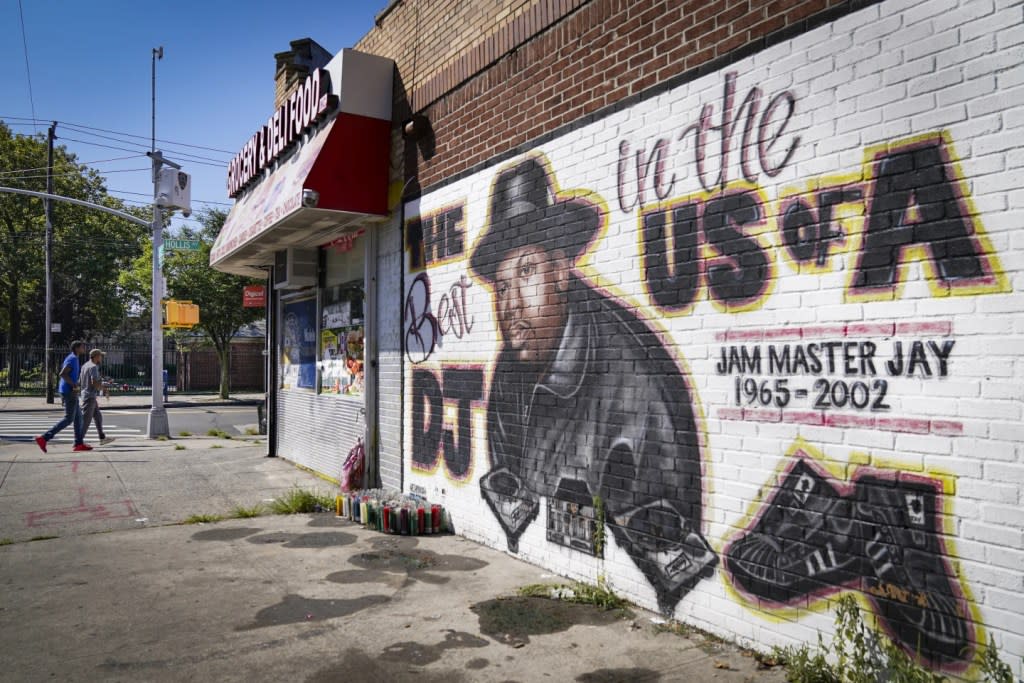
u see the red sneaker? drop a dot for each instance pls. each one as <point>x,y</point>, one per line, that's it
<point>41,442</point>
<point>82,447</point>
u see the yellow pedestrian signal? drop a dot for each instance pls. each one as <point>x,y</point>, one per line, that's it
<point>181,314</point>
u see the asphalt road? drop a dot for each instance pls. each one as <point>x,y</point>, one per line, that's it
<point>126,422</point>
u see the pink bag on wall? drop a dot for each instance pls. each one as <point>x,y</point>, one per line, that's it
<point>353,467</point>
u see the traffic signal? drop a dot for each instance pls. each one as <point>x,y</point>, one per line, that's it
<point>181,314</point>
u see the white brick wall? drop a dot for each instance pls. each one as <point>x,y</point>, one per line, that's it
<point>873,82</point>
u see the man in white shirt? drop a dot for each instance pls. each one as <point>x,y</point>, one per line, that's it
<point>92,386</point>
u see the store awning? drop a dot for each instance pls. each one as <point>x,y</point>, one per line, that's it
<point>345,163</point>
<point>330,185</point>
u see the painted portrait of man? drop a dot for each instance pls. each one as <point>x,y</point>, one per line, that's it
<point>585,400</point>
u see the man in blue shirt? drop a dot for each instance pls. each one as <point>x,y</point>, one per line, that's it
<point>68,388</point>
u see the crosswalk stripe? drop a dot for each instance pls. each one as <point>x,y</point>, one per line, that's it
<point>27,427</point>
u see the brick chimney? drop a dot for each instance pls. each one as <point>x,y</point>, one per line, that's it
<point>295,64</point>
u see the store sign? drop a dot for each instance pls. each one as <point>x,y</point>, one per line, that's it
<point>254,296</point>
<point>346,242</point>
<point>310,102</point>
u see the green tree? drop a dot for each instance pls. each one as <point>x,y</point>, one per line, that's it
<point>218,295</point>
<point>90,247</point>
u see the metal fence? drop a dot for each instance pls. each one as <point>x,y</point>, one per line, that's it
<point>23,368</point>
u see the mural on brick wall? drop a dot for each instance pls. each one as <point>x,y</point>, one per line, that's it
<point>593,330</point>
<point>881,534</point>
<point>584,400</point>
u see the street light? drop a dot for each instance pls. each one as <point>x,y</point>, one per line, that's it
<point>156,425</point>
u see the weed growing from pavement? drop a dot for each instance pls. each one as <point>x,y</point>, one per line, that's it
<point>581,593</point>
<point>676,628</point>
<point>598,526</point>
<point>252,431</point>
<point>6,541</point>
<point>219,433</point>
<point>300,500</point>
<point>863,655</point>
<point>202,519</point>
<point>184,433</point>
<point>179,447</point>
<point>163,437</point>
<point>216,445</point>
<point>242,512</point>
<point>991,666</point>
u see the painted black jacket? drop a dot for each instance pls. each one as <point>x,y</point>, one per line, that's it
<point>613,417</point>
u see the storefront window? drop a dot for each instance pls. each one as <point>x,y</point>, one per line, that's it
<point>298,343</point>
<point>342,324</point>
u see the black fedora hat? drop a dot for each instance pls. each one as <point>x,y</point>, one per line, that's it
<point>525,211</point>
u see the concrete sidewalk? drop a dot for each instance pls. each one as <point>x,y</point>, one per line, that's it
<point>303,597</point>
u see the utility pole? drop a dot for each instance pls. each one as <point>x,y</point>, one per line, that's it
<point>156,425</point>
<point>48,351</point>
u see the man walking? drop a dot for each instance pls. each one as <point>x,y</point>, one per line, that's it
<point>92,385</point>
<point>68,389</point>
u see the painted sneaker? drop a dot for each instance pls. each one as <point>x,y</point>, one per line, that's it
<point>82,447</point>
<point>106,439</point>
<point>41,442</point>
<point>803,542</point>
<point>907,575</point>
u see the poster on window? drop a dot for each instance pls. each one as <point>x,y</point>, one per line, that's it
<point>298,345</point>
<point>341,361</point>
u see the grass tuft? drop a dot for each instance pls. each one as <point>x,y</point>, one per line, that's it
<point>581,593</point>
<point>6,541</point>
<point>300,500</point>
<point>252,431</point>
<point>179,447</point>
<point>219,433</point>
<point>184,433</point>
<point>242,512</point>
<point>202,519</point>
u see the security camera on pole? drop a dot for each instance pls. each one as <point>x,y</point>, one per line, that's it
<point>171,190</point>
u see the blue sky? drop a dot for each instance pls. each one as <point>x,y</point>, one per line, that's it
<point>91,66</point>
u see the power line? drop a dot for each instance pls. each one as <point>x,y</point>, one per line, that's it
<point>96,144</point>
<point>126,149</point>
<point>117,132</point>
<point>130,135</point>
<point>28,71</point>
<point>129,142</point>
<point>150,203</point>
<point>71,174</point>
<point>80,163</point>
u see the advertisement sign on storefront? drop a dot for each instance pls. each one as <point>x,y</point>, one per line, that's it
<point>254,296</point>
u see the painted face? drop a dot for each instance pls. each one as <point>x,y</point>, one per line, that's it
<point>531,286</point>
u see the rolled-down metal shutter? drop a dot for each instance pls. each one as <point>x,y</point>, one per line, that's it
<point>318,431</point>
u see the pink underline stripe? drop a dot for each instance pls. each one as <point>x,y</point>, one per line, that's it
<point>942,328</point>
<point>910,425</point>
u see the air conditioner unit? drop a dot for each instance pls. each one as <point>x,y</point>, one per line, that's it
<point>174,190</point>
<point>295,268</point>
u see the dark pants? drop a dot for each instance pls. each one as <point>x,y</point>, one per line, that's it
<point>72,415</point>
